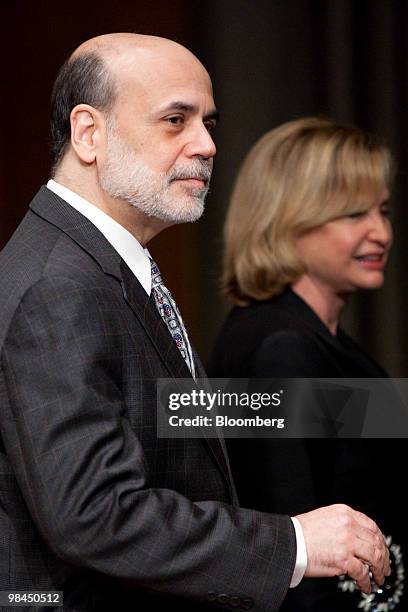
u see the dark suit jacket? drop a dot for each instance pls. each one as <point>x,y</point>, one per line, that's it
<point>283,337</point>
<point>91,501</point>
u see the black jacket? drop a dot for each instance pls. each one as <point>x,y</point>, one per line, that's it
<point>283,337</point>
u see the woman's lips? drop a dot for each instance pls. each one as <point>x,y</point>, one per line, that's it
<point>372,261</point>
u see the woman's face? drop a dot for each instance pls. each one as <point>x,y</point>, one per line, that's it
<point>350,252</point>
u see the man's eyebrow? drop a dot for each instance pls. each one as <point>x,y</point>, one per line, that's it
<point>186,107</point>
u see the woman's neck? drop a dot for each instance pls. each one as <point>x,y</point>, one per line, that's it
<point>322,299</point>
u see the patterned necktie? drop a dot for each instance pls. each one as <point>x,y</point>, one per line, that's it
<point>170,314</point>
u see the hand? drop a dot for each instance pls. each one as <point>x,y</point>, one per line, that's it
<point>340,540</point>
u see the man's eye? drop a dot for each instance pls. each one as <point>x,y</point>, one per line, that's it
<point>175,120</point>
<point>210,126</point>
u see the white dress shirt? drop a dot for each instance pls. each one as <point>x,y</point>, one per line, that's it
<point>137,259</point>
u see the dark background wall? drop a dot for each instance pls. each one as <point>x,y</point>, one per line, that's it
<point>271,61</point>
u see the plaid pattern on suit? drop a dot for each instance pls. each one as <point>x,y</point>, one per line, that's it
<point>91,501</point>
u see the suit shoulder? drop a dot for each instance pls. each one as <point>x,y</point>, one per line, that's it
<point>266,339</point>
<point>38,251</point>
<point>242,333</point>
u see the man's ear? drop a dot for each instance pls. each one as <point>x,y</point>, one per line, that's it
<point>87,131</point>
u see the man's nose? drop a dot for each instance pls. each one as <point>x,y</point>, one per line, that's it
<point>200,143</point>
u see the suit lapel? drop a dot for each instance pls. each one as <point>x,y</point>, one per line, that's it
<point>144,308</point>
<point>146,311</point>
<point>66,218</point>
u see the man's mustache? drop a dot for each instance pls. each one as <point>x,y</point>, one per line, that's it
<point>198,170</point>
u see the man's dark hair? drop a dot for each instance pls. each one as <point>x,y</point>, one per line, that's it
<point>82,80</point>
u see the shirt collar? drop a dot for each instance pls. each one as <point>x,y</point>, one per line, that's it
<point>129,248</point>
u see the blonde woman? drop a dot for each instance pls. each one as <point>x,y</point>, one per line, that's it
<point>307,227</point>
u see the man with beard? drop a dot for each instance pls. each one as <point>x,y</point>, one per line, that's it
<point>92,502</point>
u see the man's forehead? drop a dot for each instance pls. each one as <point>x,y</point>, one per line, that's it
<point>163,85</point>
<point>151,73</point>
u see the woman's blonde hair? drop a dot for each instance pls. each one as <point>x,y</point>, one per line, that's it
<point>296,177</point>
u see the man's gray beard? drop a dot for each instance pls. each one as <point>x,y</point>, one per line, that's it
<point>125,176</point>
